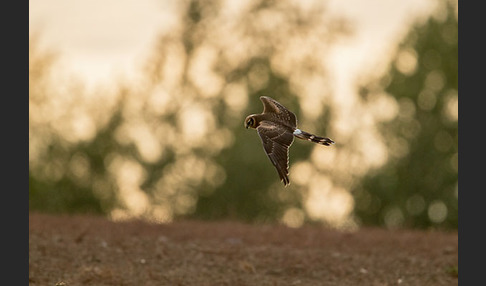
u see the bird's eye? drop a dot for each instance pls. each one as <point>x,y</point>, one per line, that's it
<point>250,122</point>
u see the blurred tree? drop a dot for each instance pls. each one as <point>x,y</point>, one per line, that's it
<point>52,186</point>
<point>418,185</point>
<point>242,56</point>
<point>173,144</point>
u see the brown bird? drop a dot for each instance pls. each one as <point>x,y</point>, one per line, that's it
<point>277,127</point>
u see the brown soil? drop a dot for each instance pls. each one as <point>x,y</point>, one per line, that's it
<point>88,250</point>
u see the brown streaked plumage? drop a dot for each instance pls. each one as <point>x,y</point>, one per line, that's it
<point>277,126</point>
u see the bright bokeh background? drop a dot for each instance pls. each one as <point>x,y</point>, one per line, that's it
<point>137,107</point>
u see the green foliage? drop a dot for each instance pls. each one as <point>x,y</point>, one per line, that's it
<point>67,192</point>
<point>425,179</point>
<point>453,271</point>
<point>56,185</point>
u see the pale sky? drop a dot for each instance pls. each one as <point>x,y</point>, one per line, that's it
<point>111,39</point>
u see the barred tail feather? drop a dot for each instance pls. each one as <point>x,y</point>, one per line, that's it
<point>313,138</point>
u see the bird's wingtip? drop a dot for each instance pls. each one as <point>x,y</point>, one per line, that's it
<point>286,182</point>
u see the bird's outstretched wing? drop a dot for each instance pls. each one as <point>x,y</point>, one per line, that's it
<point>271,106</point>
<point>276,141</point>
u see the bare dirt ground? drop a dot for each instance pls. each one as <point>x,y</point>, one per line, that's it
<point>89,250</point>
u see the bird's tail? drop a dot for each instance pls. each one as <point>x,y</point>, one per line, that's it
<point>313,138</point>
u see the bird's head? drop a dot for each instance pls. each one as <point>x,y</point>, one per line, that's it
<point>250,121</point>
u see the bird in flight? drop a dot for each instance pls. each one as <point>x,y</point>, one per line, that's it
<point>277,127</point>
